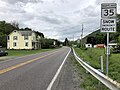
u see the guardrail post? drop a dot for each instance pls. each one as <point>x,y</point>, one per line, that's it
<point>101,58</point>
<point>101,62</point>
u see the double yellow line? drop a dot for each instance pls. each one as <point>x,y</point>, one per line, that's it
<point>22,64</point>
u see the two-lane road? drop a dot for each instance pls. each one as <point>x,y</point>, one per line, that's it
<point>33,72</point>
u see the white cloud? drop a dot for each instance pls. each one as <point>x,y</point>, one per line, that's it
<point>55,18</point>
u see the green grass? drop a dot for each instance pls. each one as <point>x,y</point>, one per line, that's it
<point>87,82</point>
<point>114,67</point>
<point>25,52</point>
<point>92,56</point>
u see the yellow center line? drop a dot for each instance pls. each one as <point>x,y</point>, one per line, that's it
<point>22,64</point>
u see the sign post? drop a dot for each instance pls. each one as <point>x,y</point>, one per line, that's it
<point>107,54</point>
<point>108,24</point>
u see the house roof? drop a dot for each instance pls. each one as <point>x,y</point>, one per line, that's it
<point>25,33</point>
<point>100,44</point>
<point>113,41</point>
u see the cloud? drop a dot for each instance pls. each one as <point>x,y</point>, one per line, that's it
<point>91,11</point>
<point>51,20</point>
<point>55,18</point>
<point>23,1</point>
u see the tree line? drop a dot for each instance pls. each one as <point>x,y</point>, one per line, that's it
<point>6,28</point>
<point>98,37</point>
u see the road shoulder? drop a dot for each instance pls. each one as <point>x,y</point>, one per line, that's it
<point>69,77</point>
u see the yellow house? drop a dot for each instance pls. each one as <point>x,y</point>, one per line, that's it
<point>22,40</point>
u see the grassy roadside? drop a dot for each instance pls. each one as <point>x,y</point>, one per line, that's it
<point>87,81</point>
<point>92,56</point>
<point>17,53</point>
<point>114,67</point>
<point>25,52</point>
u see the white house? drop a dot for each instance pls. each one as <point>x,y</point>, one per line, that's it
<point>88,45</point>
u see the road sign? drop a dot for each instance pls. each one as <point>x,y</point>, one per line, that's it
<point>108,25</point>
<point>108,10</point>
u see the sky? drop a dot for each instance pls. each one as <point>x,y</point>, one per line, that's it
<point>57,19</point>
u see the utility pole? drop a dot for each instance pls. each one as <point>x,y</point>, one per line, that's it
<point>73,37</point>
<point>82,36</point>
<point>73,40</point>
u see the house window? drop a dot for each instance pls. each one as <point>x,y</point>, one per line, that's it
<point>26,43</point>
<point>8,37</point>
<point>14,37</point>
<point>25,37</point>
<point>34,38</point>
<point>14,44</point>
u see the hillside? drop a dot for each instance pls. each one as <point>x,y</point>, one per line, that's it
<point>100,38</point>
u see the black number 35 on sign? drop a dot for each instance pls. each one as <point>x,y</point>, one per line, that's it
<point>108,10</point>
<point>109,13</point>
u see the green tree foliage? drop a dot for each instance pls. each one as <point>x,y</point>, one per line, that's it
<point>100,38</point>
<point>6,28</point>
<point>15,24</point>
<point>3,41</point>
<point>39,33</point>
<point>118,23</point>
<point>25,29</point>
<point>114,36</point>
<point>118,40</point>
<point>91,40</point>
<point>66,42</point>
<point>49,43</point>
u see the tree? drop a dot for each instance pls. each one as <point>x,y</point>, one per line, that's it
<point>6,28</point>
<point>91,40</point>
<point>66,42</point>
<point>47,43</point>
<point>15,24</point>
<point>39,33</point>
<point>118,40</point>
<point>3,39</point>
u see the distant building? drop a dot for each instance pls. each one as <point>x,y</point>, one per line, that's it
<point>88,45</point>
<point>99,46</point>
<point>22,40</point>
<point>113,43</point>
<point>54,43</point>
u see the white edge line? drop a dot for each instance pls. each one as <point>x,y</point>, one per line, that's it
<point>57,73</point>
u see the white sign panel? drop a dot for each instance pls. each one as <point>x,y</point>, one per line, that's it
<point>108,10</point>
<point>108,25</point>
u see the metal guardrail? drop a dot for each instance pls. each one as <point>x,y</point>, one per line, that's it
<point>111,84</point>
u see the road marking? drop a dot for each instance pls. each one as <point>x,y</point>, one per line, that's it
<point>24,63</point>
<point>57,73</point>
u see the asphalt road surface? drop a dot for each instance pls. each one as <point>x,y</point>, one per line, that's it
<point>34,72</point>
